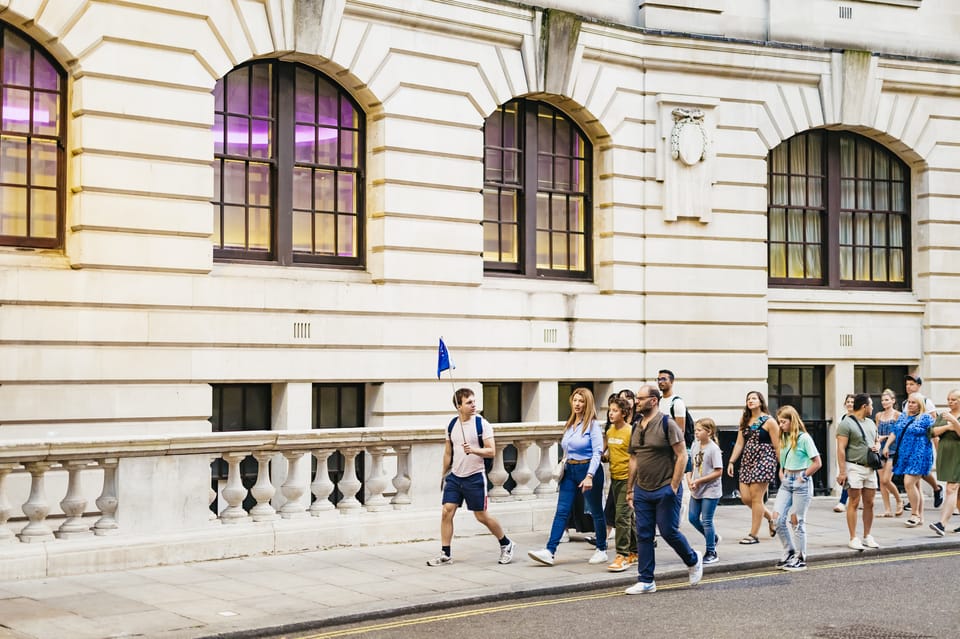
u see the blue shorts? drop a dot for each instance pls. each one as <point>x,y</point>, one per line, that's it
<point>472,489</point>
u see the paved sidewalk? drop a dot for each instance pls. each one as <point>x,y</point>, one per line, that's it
<point>239,597</point>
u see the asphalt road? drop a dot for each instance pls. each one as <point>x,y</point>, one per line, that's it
<point>889,597</point>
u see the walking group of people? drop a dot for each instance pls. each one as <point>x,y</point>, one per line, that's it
<point>651,461</point>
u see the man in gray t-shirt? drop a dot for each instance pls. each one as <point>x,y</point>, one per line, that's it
<point>658,457</point>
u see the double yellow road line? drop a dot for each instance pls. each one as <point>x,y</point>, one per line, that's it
<point>389,625</point>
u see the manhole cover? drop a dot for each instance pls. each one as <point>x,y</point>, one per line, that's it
<point>860,631</point>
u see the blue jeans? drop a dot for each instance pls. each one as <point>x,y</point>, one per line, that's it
<point>659,509</point>
<point>701,518</point>
<point>573,474</point>
<point>795,491</point>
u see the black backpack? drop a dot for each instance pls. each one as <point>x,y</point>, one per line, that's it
<point>487,461</point>
<point>688,436</point>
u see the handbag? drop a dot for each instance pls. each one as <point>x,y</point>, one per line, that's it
<point>559,468</point>
<point>874,460</point>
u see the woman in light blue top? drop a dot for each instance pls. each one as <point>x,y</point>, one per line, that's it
<point>799,460</point>
<point>582,445</point>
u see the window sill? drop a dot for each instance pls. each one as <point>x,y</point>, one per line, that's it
<point>811,300</point>
<point>511,282</point>
<point>301,272</point>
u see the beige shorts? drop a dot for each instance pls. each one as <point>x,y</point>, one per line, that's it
<point>861,476</point>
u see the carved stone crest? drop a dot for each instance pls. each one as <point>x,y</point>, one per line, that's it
<point>688,138</point>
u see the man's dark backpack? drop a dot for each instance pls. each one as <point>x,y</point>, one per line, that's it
<point>487,461</point>
<point>688,436</point>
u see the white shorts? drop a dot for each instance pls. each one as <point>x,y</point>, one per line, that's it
<point>861,477</point>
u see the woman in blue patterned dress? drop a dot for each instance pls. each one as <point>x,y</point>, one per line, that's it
<point>914,457</point>
<point>886,420</point>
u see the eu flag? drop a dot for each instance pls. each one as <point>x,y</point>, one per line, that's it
<point>443,359</point>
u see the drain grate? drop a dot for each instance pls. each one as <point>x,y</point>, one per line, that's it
<point>861,631</point>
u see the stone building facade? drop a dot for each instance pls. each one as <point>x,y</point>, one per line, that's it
<point>264,213</point>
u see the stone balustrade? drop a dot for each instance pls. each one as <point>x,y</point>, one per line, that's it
<point>148,485</point>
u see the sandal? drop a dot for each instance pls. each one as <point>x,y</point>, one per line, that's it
<point>749,539</point>
<point>886,514</point>
<point>913,522</point>
<point>772,526</point>
<point>899,512</point>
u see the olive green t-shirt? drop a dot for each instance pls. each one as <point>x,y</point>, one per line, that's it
<point>856,446</point>
<point>653,453</point>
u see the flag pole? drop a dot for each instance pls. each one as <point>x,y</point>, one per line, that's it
<point>453,387</point>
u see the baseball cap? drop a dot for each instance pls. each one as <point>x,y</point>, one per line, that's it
<point>914,378</point>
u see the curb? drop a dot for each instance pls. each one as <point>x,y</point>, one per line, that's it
<point>572,585</point>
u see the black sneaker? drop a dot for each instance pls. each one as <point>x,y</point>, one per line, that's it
<point>798,564</point>
<point>710,557</point>
<point>937,527</point>
<point>938,497</point>
<point>786,560</point>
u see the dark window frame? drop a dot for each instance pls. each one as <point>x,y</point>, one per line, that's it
<point>282,163</point>
<point>528,149</point>
<point>335,463</point>
<point>249,466</point>
<point>830,222</point>
<point>60,140</point>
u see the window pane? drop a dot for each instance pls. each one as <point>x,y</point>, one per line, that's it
<point>508,206</point>
<point>493,129</point>
<point>815,153</point>
<point>16,110</point>
<point>328,103</point>
<point>778,193</point>
<point>349,141</point>
<point>777,222</point>
<point>896,266</point>
<point>234,182</point>
<point>543,210</point>
<point>575,207</point>
<point>882,199</point>
<point>899,197</point>
<point>846,263</point>
<point>864,194</point>
<point>13,215</point>
<point>881,164</point>
<point>847,159</point>
<point>778,260</point>
<point>259,229</point>
<point>848,198</point>
<point>324,190</point>
<point>795,260</point>
<point>563,137</point>
<point>491,211</point>
<point>862,263</point>
<point>846,228</point>
<point>795,225</point>
<point>346,235</point>
<point>864,160</point>
<point>347,193</point>
<point>578,176</point>
<point>558,214</point>
<point>305,145</point>
<point>543,249</point>
<point>813,227</point>
<point>43,213</point>
<point>324,233</point>
<point>349,399</point>
<point>814,192</point>
<point>45,76</point>
<point>493,165</point>
<point>302,188</point>
<point>577,252</point>
<point>862,228</point>
<point>16,59</point>
<point>798,191</point>
<point>305,102</point>
<point>302,231</point>
<point>238,99</point>
<point>778,158</point>
<point>260,99</point>
<point>798,156</point>
<point>259,180</point>
<point>561,168</point>
<point>234,227</point>
<point>43,163</point>
<point>238,136</point>
<point>46,107</point>
<point>217,131</point>
<point>879,265</point>
<point>508,243</point>
<point>813,262</point>
<point>491,241</point>
<point>879,230</point>
<point>326,146</point>
<point>13,160</point>
<point>559,260</point>
<point>544,171</point>
<point>260,135</point>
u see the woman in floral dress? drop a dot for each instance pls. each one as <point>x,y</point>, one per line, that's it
<point>757,448</point>
<point>914,457</point>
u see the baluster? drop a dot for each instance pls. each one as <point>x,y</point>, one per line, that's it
<point>349,484</point>
<point>6,535</point>
<point>74,503</point>
<point>401,480</point>
<point>522,474</point>
<point>107,502</point>
<point>263,490</point>
<point>377,482</point>
<point>234,492</point>
<point>544,470</point>
<point>36,506</point>
<point>498,476</point>
<point>212,494</point>
<point>321,486</point>
<point>292,487</point>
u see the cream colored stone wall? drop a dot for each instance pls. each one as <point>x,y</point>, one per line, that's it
<point>125,328</point>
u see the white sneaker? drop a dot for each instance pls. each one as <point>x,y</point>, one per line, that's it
<point>543,556</point>
<point>641,588</point>
<point>506,553</point>
<point>855,544</point>
<point>599,557</point>
<point>696,570</point>
<point>839,508</point>
<point>565,538</point>
<point>870,542</point>
<point>440,560</point>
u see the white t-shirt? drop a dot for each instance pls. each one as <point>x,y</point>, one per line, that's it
<point>465,465</point>
<point>712,460</point>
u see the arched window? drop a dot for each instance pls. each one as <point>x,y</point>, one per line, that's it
<point>536,193</point>
<point>32,116</point>
<point>288,146</point>
<point>838,213</point>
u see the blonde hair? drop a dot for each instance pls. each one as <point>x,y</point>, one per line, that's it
<point>919,399</point>
<point>589,411</point>
<point>796,426</point>
<point>708,425</point>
